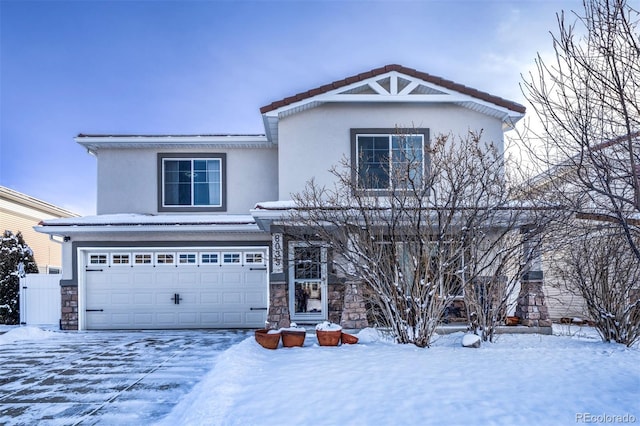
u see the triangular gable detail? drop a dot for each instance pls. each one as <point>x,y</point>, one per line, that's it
<point>392,83</point>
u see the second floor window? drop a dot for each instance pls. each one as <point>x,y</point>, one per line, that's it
<point>192,183</point>
<point>386,158</point>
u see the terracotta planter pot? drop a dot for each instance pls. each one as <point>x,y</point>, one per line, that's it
<point>348,339</point>
<point>328,338</point>
<point>267,340</point>
<point>292,338</point>
<point>512,321</point>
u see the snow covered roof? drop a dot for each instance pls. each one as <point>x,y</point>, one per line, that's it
<point>215,141</point>
<point>131,222</point>
<point>392,83</point>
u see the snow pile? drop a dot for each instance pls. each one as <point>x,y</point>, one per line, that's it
<point>471,341</point>
<point>520,379</point>
<point>328,326</point>
<point>25,333</point>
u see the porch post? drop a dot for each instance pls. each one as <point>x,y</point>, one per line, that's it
<point>531,308</point>
<point>354,314</point>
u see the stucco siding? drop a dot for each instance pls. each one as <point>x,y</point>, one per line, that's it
<point>128,179</point>
<point>312,141</point>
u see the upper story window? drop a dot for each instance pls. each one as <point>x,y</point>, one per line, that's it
<point>383,159</point>
<point>191,182</point>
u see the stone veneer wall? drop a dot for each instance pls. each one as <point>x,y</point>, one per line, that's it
<point>532,309</point>
<point>335,301</point>
<point>69,302</point>
<point>278,315</point>
<point>354,313</point>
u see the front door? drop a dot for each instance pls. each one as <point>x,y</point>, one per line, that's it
<point>307,282</point>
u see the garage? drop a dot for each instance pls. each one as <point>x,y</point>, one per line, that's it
<point>174,288</point>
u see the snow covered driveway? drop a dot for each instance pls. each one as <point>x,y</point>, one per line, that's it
<point>103,377</point>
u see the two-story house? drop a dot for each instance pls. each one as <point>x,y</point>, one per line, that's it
<point>182,237</point>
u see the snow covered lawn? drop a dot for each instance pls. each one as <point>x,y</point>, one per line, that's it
<point>566,378</point>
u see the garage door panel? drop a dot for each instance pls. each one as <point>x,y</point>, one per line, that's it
<point>120,319</point>
<point>142,278</point>
<point>229,298</point>
<point>188,318</point>
<point>188,299</point>
<point>254,317</point>
<point>144,298</point>
<point>121,298</point>
<point>142,320</point>
<point>120,278</point>
<point>210,277</point>
<point>187,278</point>
<point>255,297</point>
<point>209,297</point>
<point>231,278</point>
<point>232,319</point>
<point>164,277</point>
<point>255,278</point>
<point>141,296</point>
<point>210,317</point>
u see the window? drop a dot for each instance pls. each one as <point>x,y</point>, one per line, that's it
<point>165,258</point>
<point>231,258</point>
<point>209,258</point>
<point>187,258</point>
<point>387,158</point>
<point>253,258</point>
<point>98,259</point>
<point>191,183</point>
<point>120,259</point>
<point>142,258</point>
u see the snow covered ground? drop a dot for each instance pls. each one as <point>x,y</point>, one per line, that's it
<point>564,379</point>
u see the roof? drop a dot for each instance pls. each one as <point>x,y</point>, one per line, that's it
<point>33,203</point>
<point>392,83</point>
<point>133,222</point>
<point>438,81</point>
<point>94,142</point>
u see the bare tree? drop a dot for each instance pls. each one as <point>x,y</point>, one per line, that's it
<point>439,226</point>
<point>604,271</point>
<point>587,100</point>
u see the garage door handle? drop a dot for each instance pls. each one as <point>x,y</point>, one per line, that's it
<point>93,270</point>
<point>94,310</point>
<point>257,309</point>
<point>257,269</point>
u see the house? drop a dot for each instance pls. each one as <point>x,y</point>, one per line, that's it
<point>598,191</point>
<point>20,213</point>
<point>183,235</point>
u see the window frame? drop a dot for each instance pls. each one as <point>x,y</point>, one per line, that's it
<point>389,132</point>
<point>162,157</point>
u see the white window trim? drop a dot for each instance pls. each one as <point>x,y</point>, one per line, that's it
<point>165,253</point>
<point>209,253</point>
<point>129,263</point>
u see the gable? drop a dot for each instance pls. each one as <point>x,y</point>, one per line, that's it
<point>392,83</point>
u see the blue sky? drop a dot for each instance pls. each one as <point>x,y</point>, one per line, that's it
<point>202,67</point>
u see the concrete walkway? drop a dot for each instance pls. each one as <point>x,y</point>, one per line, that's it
<point>108,378</point>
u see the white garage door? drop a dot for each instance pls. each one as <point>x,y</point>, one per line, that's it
<point>164,289</point>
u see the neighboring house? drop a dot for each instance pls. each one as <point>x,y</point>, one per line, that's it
<point>20,213</point>
<point>605,167</point>
<point>177,242</point>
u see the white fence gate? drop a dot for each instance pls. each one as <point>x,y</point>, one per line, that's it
<point>40,299</point>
